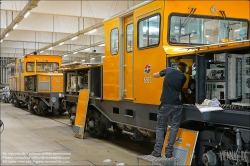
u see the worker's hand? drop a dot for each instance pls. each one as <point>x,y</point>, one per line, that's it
<point>156,75</point>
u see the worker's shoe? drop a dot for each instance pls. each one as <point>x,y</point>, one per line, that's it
<point>156,154</point>
<point>168,155</point>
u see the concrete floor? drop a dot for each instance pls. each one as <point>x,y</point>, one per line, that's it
<point>31,139</point>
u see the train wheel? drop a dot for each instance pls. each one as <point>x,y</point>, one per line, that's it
<point>42,108</point>
<point>71,110</point>
<point>72,120</point>
<point>16,103</point>
<point>30,109</point>
<point>95,124</point>
<point>116,129</point>
<point>208,147</point>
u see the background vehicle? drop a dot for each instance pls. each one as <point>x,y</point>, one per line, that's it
<point>5,94</point>
<point>152,36</point>
<point>37,84</point>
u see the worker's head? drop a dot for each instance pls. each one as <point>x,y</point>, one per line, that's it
<point>182,67</point>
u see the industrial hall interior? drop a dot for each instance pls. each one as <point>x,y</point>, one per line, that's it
<point>125,83</point>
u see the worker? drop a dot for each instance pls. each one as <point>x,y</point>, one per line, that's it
<point>170,106</point>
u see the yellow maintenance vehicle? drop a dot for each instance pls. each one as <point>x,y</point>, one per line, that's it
<point>38,84</point>
<point>212,37</point>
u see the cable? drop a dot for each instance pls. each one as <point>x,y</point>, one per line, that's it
<point>88,8</point>
<point>21,6</point>
<point>115,7</point>
<point>110,8</point>
<point>216,137</point>
<point>15,5</point>
<point>221,139</point>
<point>91,13</point>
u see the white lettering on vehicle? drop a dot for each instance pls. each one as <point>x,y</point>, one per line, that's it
<point>147,80</point>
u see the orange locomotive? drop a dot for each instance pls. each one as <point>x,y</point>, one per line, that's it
<point>37,84</point>
<point>153,35</point>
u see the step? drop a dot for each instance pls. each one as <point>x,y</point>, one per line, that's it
<point>156,160</point>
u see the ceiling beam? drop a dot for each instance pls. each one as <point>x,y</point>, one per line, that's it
<point>33,42</point>
<point>100,24</point>
<point>31,4</point>
<point>86,47</point>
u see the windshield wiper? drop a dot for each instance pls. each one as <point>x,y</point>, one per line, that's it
<point>188,17</point>
<point>229,28</point>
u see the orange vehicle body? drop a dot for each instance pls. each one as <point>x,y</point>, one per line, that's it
<point>146,39</point>
<point>128,82</point>
<point>36,82</point>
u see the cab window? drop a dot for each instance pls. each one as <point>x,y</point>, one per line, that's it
<point>200,30</point>
<point>129,37</point>
<point>149,31</point>
<point>42,66</point>
<point>114,41</point>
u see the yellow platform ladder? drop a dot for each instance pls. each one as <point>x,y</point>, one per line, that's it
<point>183,149</point>
<point>157,160</point>
<point>81,112</point>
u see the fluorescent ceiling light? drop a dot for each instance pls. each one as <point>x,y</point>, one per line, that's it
<point>92,58</point>
<point>65,55</point>
<point>92,31</point>
<point>74,38</point>
<point>41,51</point>
<point>27,13</point>
<point>102,45</point>
<point>87,49</point>
<point>75,52</point>
<point>50,48</point>
<point>61,43</point>
<point>1,40</point>
<point>14,27</point>
<point>7,34</point>
<point>83,60</point>
<point>207,35</point>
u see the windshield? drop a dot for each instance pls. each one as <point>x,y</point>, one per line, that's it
<point>42,66</point>
<point>197,30</point>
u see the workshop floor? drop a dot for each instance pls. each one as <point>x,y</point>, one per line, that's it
<point>29,139</point>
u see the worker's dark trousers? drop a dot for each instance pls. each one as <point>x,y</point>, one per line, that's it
<point>175,114</point>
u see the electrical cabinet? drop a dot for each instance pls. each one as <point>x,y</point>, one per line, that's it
<point>215,84</point>
<point>228,79</point>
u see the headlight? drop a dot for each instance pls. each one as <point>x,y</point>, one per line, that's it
<point>53,99</point>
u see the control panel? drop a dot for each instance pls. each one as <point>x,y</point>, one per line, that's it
<point>215,90</point>
<point>246,77</point>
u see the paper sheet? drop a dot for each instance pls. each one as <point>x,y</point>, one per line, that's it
<point>208,109</point>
